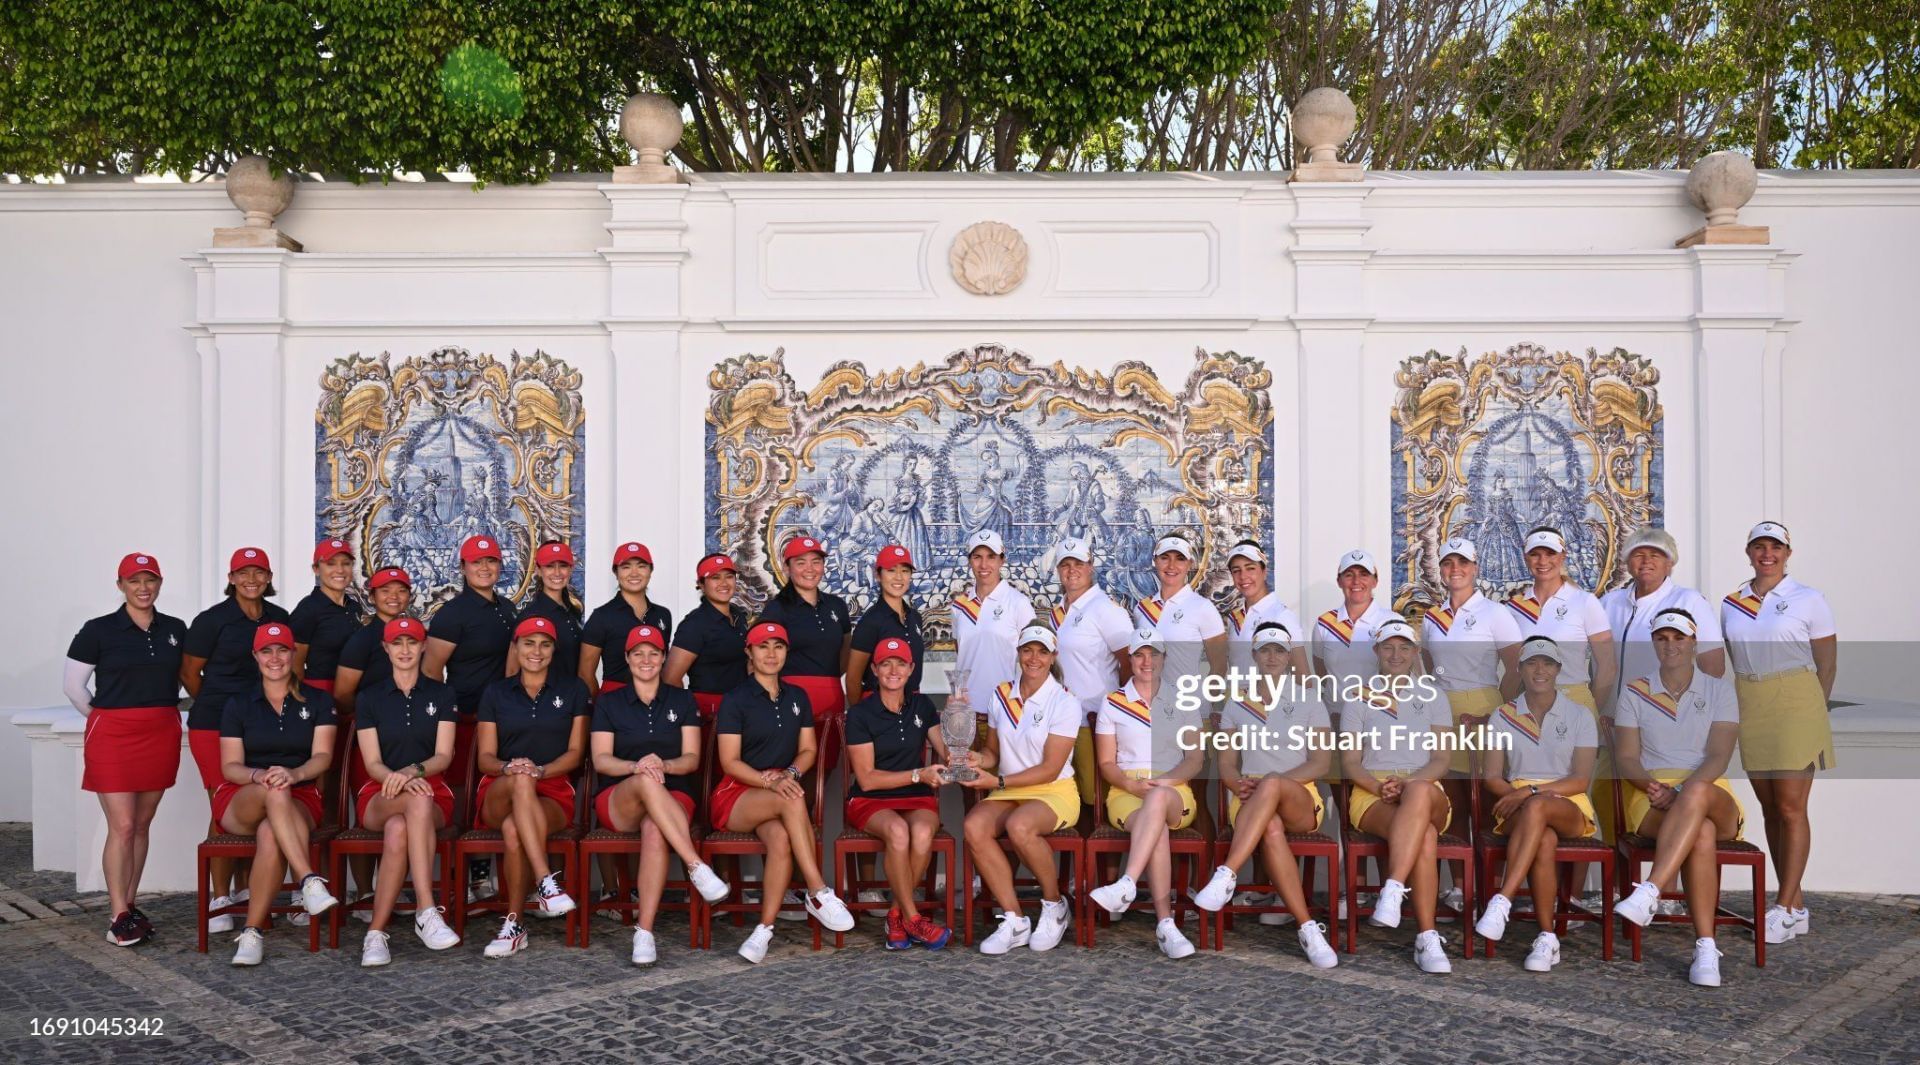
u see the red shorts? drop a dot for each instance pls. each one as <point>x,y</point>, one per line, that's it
<point>442,799</point>
<point>709,704</point>
<point>205,745</point>
<point>720,804</point>
<point>859,811</point>
<point>304,793</point>
<point>603,806</point>
<point>132,749</point>
<point>559,789</point>
<point>827,694</point>
<point>611,686</point>
<point>324,685</point>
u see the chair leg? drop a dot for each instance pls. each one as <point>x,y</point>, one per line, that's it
<point>1467,893</point>
<point>966,879</point>
<point>835,881</point>
<point>205,903</point>
<point>1759,914</point>
<point>457,892</point>
<point>1606,909</point>
<point>314,861</point>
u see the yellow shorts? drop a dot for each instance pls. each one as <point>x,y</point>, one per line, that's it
<point>1121,805</point>
<point>1319,806</point>
<point>1086,773</point>
<point>1783,723</point>
<point>1601,793</point>
<point>1581,800</point>
<point>1363,800</point>
<point>1638,804</point>
<point>1061,795</point>
<point>1474,702</point>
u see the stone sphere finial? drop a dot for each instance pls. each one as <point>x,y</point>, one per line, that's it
<point>1322,121</point>
<point>254,189</point>
<point>651,123</point>
<point>1720,184</point>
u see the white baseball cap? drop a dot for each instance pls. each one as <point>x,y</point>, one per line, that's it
<point>1174,543</point>
<point>1548,539</point>
<point>1655,537</point>
<point>1357,557</point>
<point>1675,620</point>
<point>1147,638</point>
<point>1272,634</point>
<point>1395,629</point>
<point>1250,551</point>
<point>1769,530</point>
<point>1541,647</point>
<point>1460,545</point>
<point>1075,547</point>
<point>988,539</point>
<point>1039,634</point>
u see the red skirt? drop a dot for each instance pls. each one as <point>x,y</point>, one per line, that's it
<point>829,699</point>
<point>859,811</point>
<point>205,745</point>
<point>132,749</point>
<point>323,685</point>
<point>559,789</point>
<point>709,704</point>
<point>720,804</point>
<point>611,686</point>
<point>303,793</point>
<point>442,799</point>
<point>603,806</point>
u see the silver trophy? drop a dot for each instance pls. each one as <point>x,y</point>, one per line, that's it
<point>957,726</point>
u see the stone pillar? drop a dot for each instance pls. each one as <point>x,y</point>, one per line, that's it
<point>253,188</point>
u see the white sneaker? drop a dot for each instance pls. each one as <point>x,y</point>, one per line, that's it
<point>792,898</point>
<point>301,920</point>
<point>250,947</point>
<point>643,949</point>
<point>1218,892</point>
<point>510,940</point>
<point>373,949</point>
<point>1014,931</point>
<point>431,927</point>
<point>1780,925</point>
<point>1313,940</point>
<point>872,895</point>
<point>1172,943</point>
<point>553,901</point>
<point>755,948</point>
<point>1802,922</point>
<point>1276,918</point>
<point>827,908</point>
<point>1430,953</point>
<point>1493,920</point>
<point>1115,897</point>
<point>1454,899</point>
<point>222,922</point>
<point>1051,926</point>
<point>1673,907</point>
<point>1705,970</point>
<point>1545,953</point>
<point>1640,903</point>
<point>1386,912</point>
<point>315,896</point>
<point>708,883</point>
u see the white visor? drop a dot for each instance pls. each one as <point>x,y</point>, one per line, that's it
<point>1251,551</point>
<point>1039,634</point>
<point>1173,543</point>
<point>1769,530</point>
<point>1541,647</point>
<point>1547,539</point>
<point>1392,629</point>
<point>1673,619</point>
<point>1273,637</point>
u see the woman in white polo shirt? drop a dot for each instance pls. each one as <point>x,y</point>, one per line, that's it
<point>1093,632</point>
<point>1396,783</point>
<point>1188,623</point>
<point>1538,768</point>
<point>1785,655</point>
<point>1472,645</point>
<point>988,617</point>
<point>1342,641</point>
<point>1651,555</point>
<point>1674,733</point>
<point>1247,567</point>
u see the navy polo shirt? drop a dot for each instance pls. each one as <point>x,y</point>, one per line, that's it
<point>881,623</point>
<point>899,742</point>
<point>566,627</point>
<point>407,724</point>
<point>536,728</point>
<point>607,629</point>
<point>223,635</point>
<point>719,647</point>
<point>814,633</point>
<point>641,728</point>
<point>284,738</point>
<point>366,651</point>
<point>325,628</point>
<point>132,666</point>
<point>769,729</point>
<point>480,630</point>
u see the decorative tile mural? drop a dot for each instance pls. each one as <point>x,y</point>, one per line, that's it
<point>410,460</point>
<point>925,456</point>
<point>1493,446</point>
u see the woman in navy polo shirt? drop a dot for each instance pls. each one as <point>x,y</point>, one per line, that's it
<point>890,796</point>
<point>532,735</point>
<point>276,740</point>
<point>891,617</point>
<point>646,750</point>
<point>553,598</point>
<point>612,620</point>
<point>218,665</point>
<point>710,648</point>
<point>405,733</point>
<point>363,661</point>
<point>765,745</point>
<point>132,748</point>
<point>819,625</point>
<point>327,617</point>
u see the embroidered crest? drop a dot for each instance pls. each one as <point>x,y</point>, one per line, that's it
<point>672,716</point>
<point>558,702</point>
<point>1470,621</point>
<point>1560,612</point>
<point>432,710</point>
<point>796,709</point>
<point>1780,606</point>
<point>172,641</point>
<point>1699,702</point>
<point>999,610</point>
<point>303,714</point>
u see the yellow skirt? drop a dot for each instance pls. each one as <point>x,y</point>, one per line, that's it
<point>1601,793</point>
<point>1581,800</point>
<point>1319,806</point>
<point>1638,804</point>
<point>1364,800</point>
<point>1473,702</point>
<point>1060,795</point>
<point>1086,774</point>
<point>1121,804</point>
<point>1783,723</point>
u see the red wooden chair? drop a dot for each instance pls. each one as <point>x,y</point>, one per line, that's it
<point>353,840</point>
<point>476,841</point>
<point>845,876</point>
<point>1359,846</point>
<point>600,839</point>
<point>1636,851</point>
<point>1308,849</point>
<point>1069,845</point>
<point>718,842</point>
<point>1192,849</point>
<point>223,844</point>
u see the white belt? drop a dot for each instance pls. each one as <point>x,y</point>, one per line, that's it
<point>1754,678</point>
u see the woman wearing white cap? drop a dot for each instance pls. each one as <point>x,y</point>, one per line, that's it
<point>1031,725</point>
<point>1472,646</point>
<point>1651,555</point>
<point>1675,731</point>
<point>1148,792</point>
<point>1195,636</point>
<point>1273,788</point>
<point>1093,634</point>
<point>1342,641</point>
<point>988,616</point>
<point>1396,771</point>
<point>1247,567</point>
<point>1785,655</point>
<point>1539,765</point>
<point>1569,616</point>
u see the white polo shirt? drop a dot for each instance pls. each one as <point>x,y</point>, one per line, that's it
<point>1345,644</point>
<point>1130,721</point>
<point>1465,643</point>
<point>1243,621</point>
<point>1775,632</point>
<point>1569,617</point>
<point>1543,750</point>
<point>1089,631</point>
<point>1630,618</point>
<point>1023,725</point>
<point>1393,727</point>
<point>985,635</point>
<point>1271,748</point>
<point>1673,728</point>
<point>1183,621</point>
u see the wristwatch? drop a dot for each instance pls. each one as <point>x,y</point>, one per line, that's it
<point>916,775</point>
<point>1676,787</point>
<point>1002,778</point>
<point>794,773</point>
<point>1535,788</point>
<point>419,771</point>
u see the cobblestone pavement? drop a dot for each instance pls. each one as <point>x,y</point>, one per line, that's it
<point>1848,993</point>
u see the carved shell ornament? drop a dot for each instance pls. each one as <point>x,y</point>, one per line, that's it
<point>989,258</point>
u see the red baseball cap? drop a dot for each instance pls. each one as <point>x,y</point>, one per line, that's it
<point>713,564</point>
<point>398,627</point>
<point>249,556</point>
<point>139,563</point>
<point>327,549</point>
<point>801,545</point>
<point>890,649</point>
<point>553,552</point>
<point>389,576</point>
<point>632,549</point>
<point>479,547</point>
<point>273,634</point>
<point>530,626</point>
<point>646,634</point>
<point>766,630</point>
<point>893,555</point>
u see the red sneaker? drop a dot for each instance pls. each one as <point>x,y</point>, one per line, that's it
<point>928,932</point>
<point>897,932</point>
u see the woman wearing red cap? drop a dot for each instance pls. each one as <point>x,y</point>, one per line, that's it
<point>327,617</point>
<point>132,747</point>
<point>646,750</point>
<point>555,600</point>
<point>819,626</point>
<point>218,664</point>
<point>276,740</point>
<point>892,617</point>
<point>363,660</point>
<point>405,734</point>
<point>710,648</point>
<point>532,736</point>
<point>612,620</point>
<point>765,745</point>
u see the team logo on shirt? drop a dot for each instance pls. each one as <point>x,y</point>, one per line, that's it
<point>558,702</point>
<point>172,641</point>
<point>303,714</point>
<point>1699,702</point>
<point>796,709</point>
<point>1560,729</point>
<point>432,710</point>
<point>1780,606</point>
<point>672,716</point>
<point>1560,612</point>
<point>916,722</point>
<point>1470,621</point>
